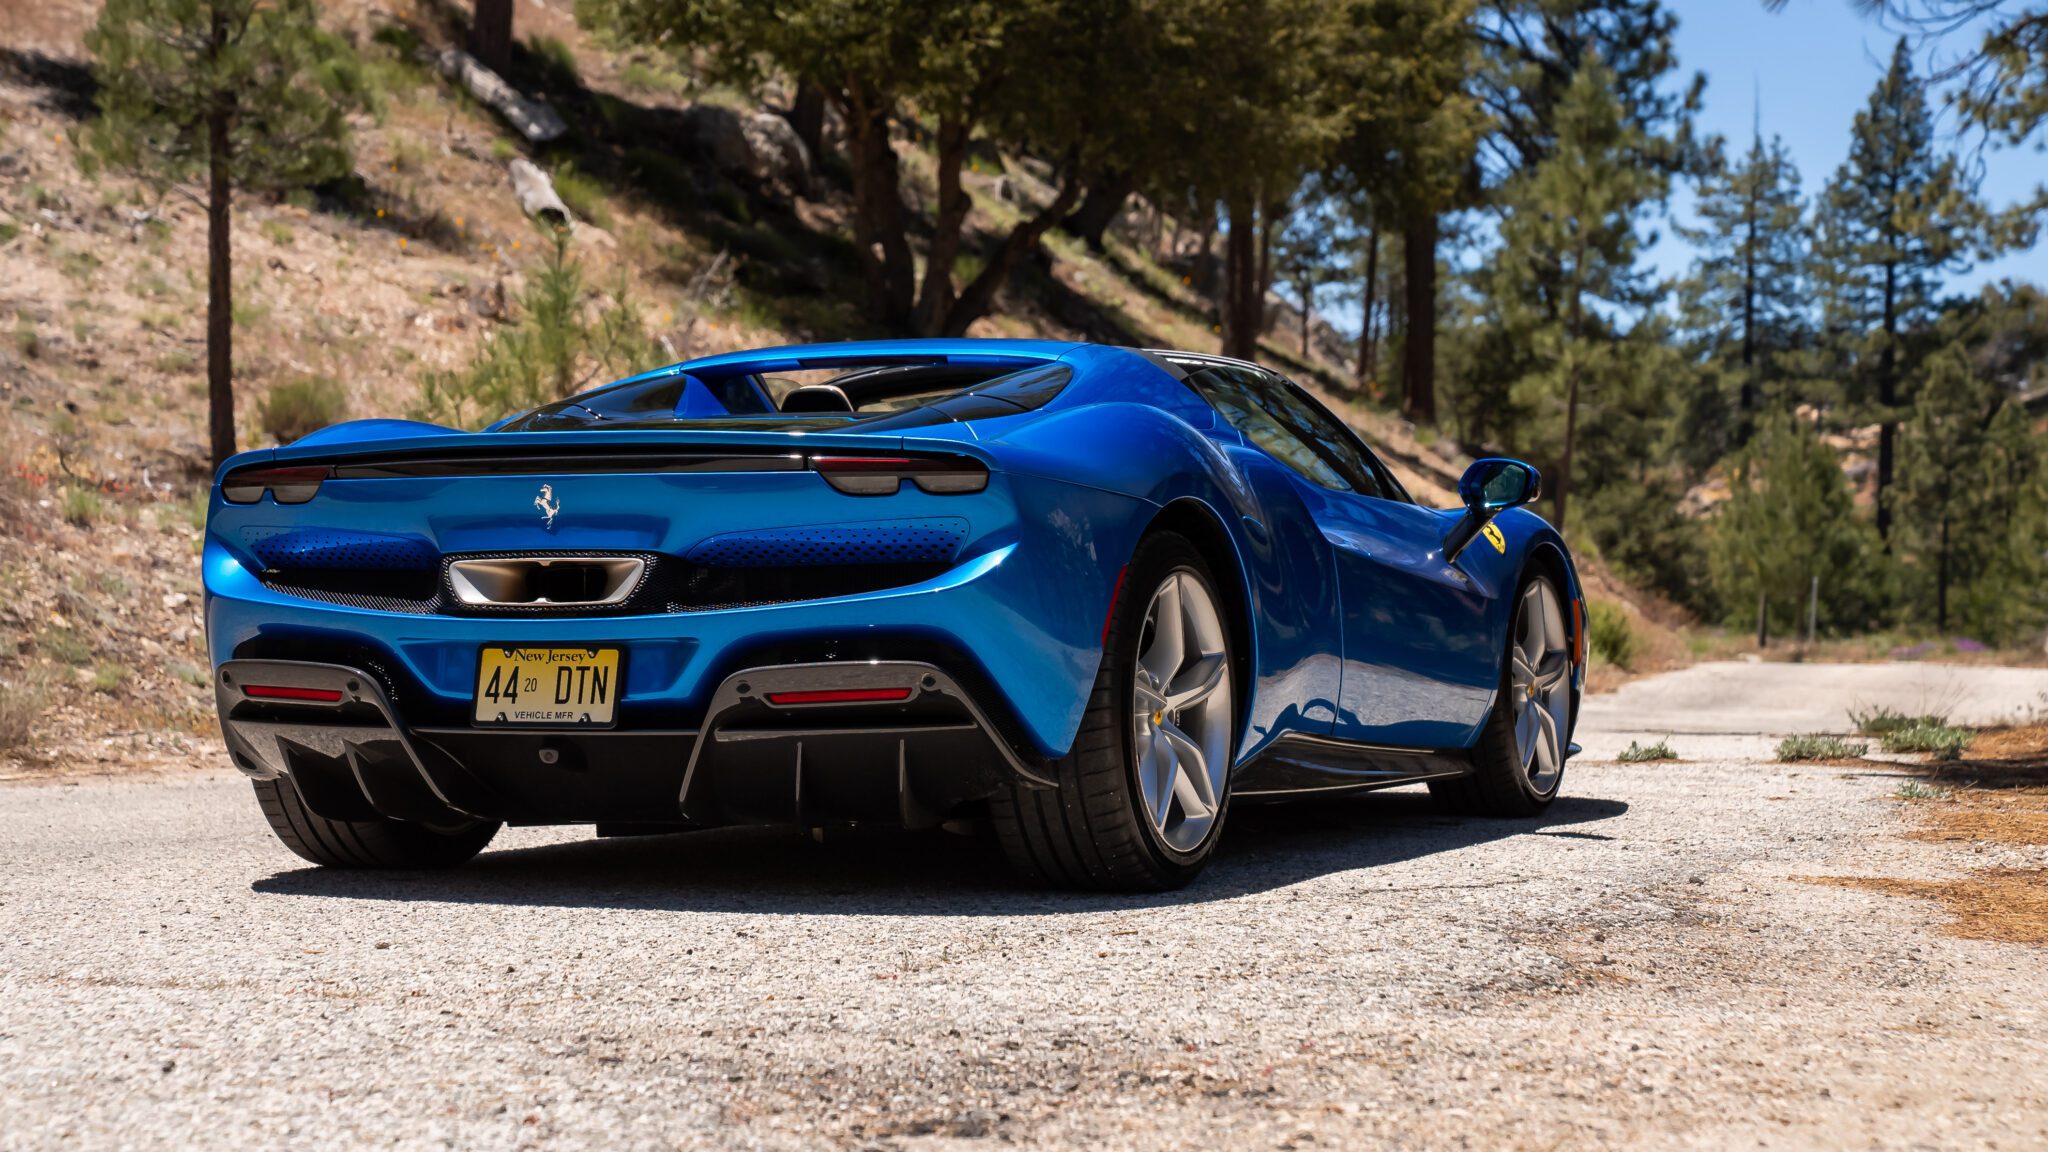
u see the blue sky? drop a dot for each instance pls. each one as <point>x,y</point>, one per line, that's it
<point>1814,64</point>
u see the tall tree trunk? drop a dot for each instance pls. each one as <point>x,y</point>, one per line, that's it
<point>1203,273</point>
<point>1575,318</point>
<point>490,34</point>
<point>1307,313</point>
<point>980,294</point>
<point>1941,583</point>
<point>1100,207</point>
<point>1418,344</point>
<point>1571,432</point>
<point>1265,285</point>
<point>1887,396</point>
<point>807,118</point>
<point>935,299</point>
<point>220,311</point>
<point>1240,282</point>
<point>1748,399</point>
<point>878,223</point>
<point>1366,351</point>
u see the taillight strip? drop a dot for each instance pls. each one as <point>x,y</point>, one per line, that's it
<point>287,692</point>
<point>840,696</point>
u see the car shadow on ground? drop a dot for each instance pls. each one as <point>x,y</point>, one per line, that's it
<point>898,874</point>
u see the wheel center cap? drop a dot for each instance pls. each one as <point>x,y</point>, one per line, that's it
<point>1158,716</point>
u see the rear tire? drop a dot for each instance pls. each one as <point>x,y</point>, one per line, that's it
<point>1518,773</point>
<point>1102,827</point>
<point>367,843</point>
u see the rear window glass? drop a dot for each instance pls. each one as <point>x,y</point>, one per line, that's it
<point>877,397</point>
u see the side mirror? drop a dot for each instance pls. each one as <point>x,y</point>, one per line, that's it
<point>1488,488</point>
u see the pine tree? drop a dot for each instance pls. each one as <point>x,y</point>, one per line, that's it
<point>2008,599</point>
<point>1411,129</point>
<point>1748,285</point>
<point>1944,517</point>
<point>1531,53</point>
<point>244,93</point>
<point>1564,275</point>
<point>1790,520</point>
<point>1895,218</point>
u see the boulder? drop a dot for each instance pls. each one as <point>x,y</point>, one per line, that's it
<point>759,147</point>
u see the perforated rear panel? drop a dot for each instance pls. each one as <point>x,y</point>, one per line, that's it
<point>328,548</point>
<point>928,541</point>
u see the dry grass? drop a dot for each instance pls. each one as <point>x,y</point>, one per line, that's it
<point>2004,904</point>
<point>1997,793</point>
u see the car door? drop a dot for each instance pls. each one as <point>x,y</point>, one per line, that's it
<point>1418,668</point>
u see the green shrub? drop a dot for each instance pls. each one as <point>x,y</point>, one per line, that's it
<point>1937,740</point>
<point>1611,636</point>
<point>1915,790</point>
<point>83,506</point>
<point>278,232</point>
<point>65,646</point>
<point>639,77</point>
<point>558,347</point>
<point>1816,746</point>
<point>302,407</point>
<point>583,194</point>
<point>556,58</point>
<point>24,697</point>
<point>109,677</point>
<point>1638,753</point>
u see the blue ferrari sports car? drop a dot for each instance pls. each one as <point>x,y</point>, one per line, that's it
<point>1082,598</point>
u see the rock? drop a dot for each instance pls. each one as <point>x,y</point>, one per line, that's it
<point>756,146</point>
<point>534,119</point>
<point>176,599</point>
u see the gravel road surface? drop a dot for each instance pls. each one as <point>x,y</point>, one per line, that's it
<point>1651,963</point>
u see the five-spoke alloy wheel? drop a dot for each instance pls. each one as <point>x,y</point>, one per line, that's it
<point>1181,710</point>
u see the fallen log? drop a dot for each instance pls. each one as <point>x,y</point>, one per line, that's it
<point>534,119</point>
<point>536,193</point>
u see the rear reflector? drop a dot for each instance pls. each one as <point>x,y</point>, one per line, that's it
<point>294,485</point>
<point>840,696</point>
<point>883,475</point>
<point>286,692</point>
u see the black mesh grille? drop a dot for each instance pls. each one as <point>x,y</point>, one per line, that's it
<point>671,585</point>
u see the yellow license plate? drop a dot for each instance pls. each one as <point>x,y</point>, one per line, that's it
<point>564,687</point>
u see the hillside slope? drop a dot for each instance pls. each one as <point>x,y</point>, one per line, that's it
<point>402,270</point>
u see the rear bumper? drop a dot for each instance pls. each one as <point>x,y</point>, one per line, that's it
<point>757,757</point>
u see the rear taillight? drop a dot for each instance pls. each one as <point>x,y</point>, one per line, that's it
<point>289,485</point>
<point>883,475</point>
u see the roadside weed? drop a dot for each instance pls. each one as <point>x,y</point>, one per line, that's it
<point>1915,790</point>
<point>1937,740</point>
<point>1880,720</point>
<point>1638,753</point>
<point>1816,746</point>
<point>109,677</point>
